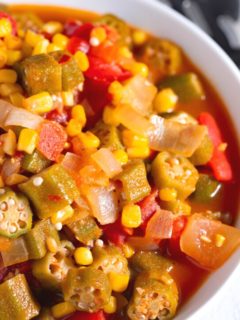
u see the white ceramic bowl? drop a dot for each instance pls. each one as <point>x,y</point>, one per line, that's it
<point>213,62</point>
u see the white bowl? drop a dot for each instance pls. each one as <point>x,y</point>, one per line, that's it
<point>211,60</point>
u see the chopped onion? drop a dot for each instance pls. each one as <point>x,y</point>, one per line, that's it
<point>13,116</point>
<point>72,162</point>
<point>107,162</point>
<point>143,243</point>
<point>160,225</point>
<point>10,167</point>
<point>17,253</point>
<point>175,137</point>
<point>103,203</point>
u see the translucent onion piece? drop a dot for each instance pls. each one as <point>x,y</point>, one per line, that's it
<point>107,162</point>
<point>175,137</point>
<point>143,243</point>
<point>160,225</point>
<point>17,253</point>
<point>72,162</point>
<point>10,166</point>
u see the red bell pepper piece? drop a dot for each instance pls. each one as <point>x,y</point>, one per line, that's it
<point>148,207</point>
<point>219,163</point>
<point>115,233</point>
<point>52,138</point>
<point>70,27</point>
<point>77,44</point>
<point>61,117</point>
<point>84,31</point>
<point>87,316</point>
<point>179,225</point>
<point>10,18</point>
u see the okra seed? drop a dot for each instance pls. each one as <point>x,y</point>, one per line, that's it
<point>58,226</point>
<point>4,206</point>
<point>37,181</point>
<point>11,202</point>
<point>99,243</point>
<point>12,228</point>
<point>4,225</point>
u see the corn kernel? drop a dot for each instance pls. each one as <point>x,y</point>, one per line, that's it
<point>168,194</point>
<point>62,215</point>
<point>8,76</point>
<point>121,156</point>
<point>52,47</point>
<point>131,139</point>
<point>219,240</point>
<point>68,98</point>
<point>131,216</point>
<point>116,90</point>
<point>32,38</point>
<point>53,27</point>
<point>13,56</point>
<point>139,68</point>
<point>125,52</point>
<point>41,47</point>
<point>27,140</point>
<point>138,152</point>
<point>109,116</point>
<point>9,143</point>
<point>82,60</point>
<point>83,256</point>
<point>5,27</point>
<point>165,101</point>
<point>16,99</point>
<point>21,32</point>
<point>74,127</point>
<point>111,307</point>
<point>9,88</point>
<point>3,57</point>
<point>78,113</point>
<point>128,251</point>
<point>119,282</point>
<point>139,37</point>
<point>89,140</point>
<point>12,42</point>
<point>222,147</point>
<point>62,309</point>
<point>60,40</point>
<point>51,244</point>
<point>98,33</point>
<point>39,103</point>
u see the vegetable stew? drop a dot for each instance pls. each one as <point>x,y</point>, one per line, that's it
<point>117,162</point>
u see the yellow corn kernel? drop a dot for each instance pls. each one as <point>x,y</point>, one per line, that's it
<point>60,40</point>
<point>52,47</point>
<point>12,42</point>
<point>89,140</point>
<point>15,178</point>
<point>128,251</point>
<point>16,99</point>
<point>131,139</point>
<point>74,127</point>
<point>109,116</point>
<point>9,88</point>
<point>5,27</point>
<point>116,90</point>
<point>62,309</point>
<point>131,216</point>
<point>125,52</point>
<point>3,57</point>
<point>32,38</point>
<point>39,103</point>
<point>53,27</point>
<point>78,112</point>
<point>165,101</point>
<point>27,140</point>
<point>119,282</point>
<point>83,256</point>
<point>139,37</point>
<point>168,194</point>
<point>139,68</point>
<point>67,98</point>
<point>111,307</point>
<point>121,156</point>
<point>41,47</point>
<point>219,240</point>
<point>82,60</point>
<point>13,56</point>
<point>8,76</point>
<point>62,215</point>
<point>9,143</point>
<point>21,33</point>
<point>98,33</point>
<point>51,244</point>
<point>138,152</point>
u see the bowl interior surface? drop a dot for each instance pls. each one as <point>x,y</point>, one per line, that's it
<point>210,59</point>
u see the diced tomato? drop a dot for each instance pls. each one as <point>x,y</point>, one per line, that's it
<point>77,44</point>
<point>179,225</point>
<point>106,51</point>
<point>148,206</point>
<point>115,233</point>
<point>219,163</point>
<point>60,117</point>
<point>47,35</point>
<point>70,27</point>
<point>87,316</point>
<point>52,138</point>
<point>10,18</point>
<point>84,31</point>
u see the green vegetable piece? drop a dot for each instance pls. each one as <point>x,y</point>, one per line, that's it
<point>170,171</point>
<point>16,300</point>
<point>87,289</point>
<point>150,260</point>
<point>28,21</point>
<point>36,238</point>
<point>35,162</point>
<point>52,269</point>
<point>187,86</point>
<point>119,25</point>
<point>110,259</point>
<point>72,75</point>
<point>40,73</point>
<point>206,189</point>
<point>108,135</point>
<point>155,296</point>
<point>134,181</point>
<point>56,190</point>
<point>204,152</point>
<point>85,229</point>
<point>15,214</point>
